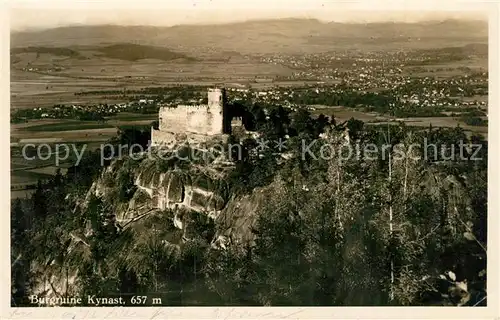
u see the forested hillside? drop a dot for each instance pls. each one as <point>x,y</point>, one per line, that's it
<point>313,228</point>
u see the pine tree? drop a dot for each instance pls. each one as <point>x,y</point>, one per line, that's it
<point>39,200</point>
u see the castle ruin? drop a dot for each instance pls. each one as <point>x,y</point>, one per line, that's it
<point>194,123</point>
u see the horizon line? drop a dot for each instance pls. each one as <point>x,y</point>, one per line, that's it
<point>322,21</point>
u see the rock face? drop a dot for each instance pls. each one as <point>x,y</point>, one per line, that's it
<point>196,189</point>
<point>235,222</point>
<point>174,196</point>
<point>174,189</point>
<point>200,190</point>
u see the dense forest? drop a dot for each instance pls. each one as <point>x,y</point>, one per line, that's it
<point>395,229</point>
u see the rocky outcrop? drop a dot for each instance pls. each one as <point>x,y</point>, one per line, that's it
<point>161,201</point>
<point>197,190</point>
<point>194,189</point>
<point>234,224</point>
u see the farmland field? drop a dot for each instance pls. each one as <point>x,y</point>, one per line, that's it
<point>44,87</point>
<point>27,177</point>
<point>68,126</point>
<point>48,170</point>
<point>128,116</point>
<point>79,135</point>
<point>21,194</point>
<point>343,114</point>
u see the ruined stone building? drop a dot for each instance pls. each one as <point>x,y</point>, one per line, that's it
<point>194,123</point>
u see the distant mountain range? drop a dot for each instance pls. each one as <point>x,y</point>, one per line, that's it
<point>264,36</point>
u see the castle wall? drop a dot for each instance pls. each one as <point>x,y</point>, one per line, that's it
<point>197,122</point>
<point>204,120</point>
<point>195,119</point>
<point>173,119</point>
<point>215,121</point>
<point>216,102</point>
<point>170,139</point>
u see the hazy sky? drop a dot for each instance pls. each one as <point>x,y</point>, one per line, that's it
<point>45,14</point>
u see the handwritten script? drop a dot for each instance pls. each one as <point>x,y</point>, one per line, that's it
<point>156,313</point>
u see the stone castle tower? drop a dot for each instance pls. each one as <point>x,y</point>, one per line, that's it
<point>215,97</point>
<point>217,105</point>
<point>194,123</point>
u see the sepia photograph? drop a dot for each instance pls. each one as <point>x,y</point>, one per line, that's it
<point>207,153</point>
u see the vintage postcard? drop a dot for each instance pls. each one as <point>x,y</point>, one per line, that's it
<point>282,155</point>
